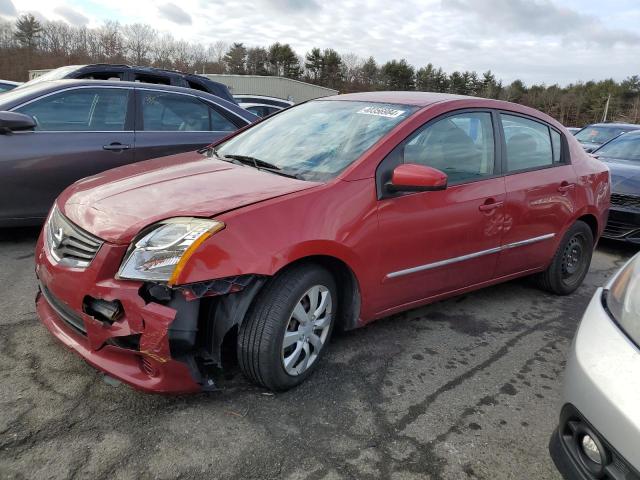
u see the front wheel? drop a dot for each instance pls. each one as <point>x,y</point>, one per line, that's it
<point>571,262</point>
<point>285,334</point>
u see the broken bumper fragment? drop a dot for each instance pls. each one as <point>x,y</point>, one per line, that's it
<point>110,325</point>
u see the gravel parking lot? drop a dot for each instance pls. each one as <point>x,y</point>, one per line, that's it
<point>465,388</point>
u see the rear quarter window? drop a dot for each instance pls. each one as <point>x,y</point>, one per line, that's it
<point>530,144</point>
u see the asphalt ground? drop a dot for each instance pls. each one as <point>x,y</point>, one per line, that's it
<point>464,388</point>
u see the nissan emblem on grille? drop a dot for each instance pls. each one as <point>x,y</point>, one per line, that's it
<point>70,245</point>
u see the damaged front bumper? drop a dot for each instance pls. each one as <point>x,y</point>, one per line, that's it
<point>154,342</point>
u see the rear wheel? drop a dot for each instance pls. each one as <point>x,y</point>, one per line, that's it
<point>284,336</point>
<point>571,262</point>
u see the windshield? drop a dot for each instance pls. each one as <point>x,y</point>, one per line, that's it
<point>56,74</point>
<point>599,134</point>
<point>319,139</point>
<point>626,147</point>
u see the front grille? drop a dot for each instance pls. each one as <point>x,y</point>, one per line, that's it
<point>625,201</point>
<point>618,229</point>
<point>66,314</point>
<point>68,244</point>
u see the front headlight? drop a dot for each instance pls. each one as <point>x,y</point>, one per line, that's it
<point>623,299</point>
<point>161,254</point>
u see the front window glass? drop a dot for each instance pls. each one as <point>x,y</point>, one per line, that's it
<point>460,146</point>
<point>598,134</point>
<point>319,139</point>
<point>626,147</point>
<point>82,109</point>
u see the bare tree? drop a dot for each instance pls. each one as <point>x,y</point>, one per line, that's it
<point>352,65</point>
<point>138,41</point>
<point>181,56</point>
<point>163,51</point>
<point>198,56</point>
<point>218,50</point>
<point>7,34</point>
<point>111,41</point>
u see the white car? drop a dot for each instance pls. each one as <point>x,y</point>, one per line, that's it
<point>261,105</point>
<point>599,432</point>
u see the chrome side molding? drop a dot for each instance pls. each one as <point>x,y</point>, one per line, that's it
<point>470,256</point>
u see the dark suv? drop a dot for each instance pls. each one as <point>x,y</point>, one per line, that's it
<point>105,71</point>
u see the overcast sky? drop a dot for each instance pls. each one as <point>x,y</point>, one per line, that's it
<point>550,41</point>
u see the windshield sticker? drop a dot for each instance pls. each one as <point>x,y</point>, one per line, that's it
<point>381,112</point>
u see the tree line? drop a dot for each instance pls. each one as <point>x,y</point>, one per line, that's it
<point>29,44</point>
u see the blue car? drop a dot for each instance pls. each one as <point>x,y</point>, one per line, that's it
<point>595,135</point>
<point>622,155</point>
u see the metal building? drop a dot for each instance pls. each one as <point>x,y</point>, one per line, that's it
<point>278,87</point>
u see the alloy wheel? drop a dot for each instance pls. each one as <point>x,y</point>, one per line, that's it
<point>307,330</point>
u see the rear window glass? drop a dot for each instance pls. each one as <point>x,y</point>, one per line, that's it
<point>528,143</point>
<point>556,143</point>
<point>162,111</point>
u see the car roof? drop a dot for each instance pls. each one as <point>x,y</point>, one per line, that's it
<point>419,99</point>
<point>74,82</point>
<point>426,99</point>
<point>36,90</point>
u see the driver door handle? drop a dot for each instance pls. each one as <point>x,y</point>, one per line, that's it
<point>566,186</point>
<point>116,146</point>
<point>489,205</point>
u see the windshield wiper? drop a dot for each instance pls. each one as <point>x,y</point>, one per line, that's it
<point>259,164</point>
<point>256,162</point>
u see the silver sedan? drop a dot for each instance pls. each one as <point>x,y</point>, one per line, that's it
<point>599,432</point>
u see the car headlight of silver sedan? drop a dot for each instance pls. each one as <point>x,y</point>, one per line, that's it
<point>623,299</point>
<point>160,254</point>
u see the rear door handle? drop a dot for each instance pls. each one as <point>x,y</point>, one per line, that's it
<point>115,146</point>
<point>490,205</point>
<point>565,187</point>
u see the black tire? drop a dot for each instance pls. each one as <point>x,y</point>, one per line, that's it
<point>571,262</point>
<point>261,335</point>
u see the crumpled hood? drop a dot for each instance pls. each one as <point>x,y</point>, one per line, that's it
<point>625,176</point>
<point>115,205</point>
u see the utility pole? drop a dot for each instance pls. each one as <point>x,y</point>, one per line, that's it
<point>606,109</point>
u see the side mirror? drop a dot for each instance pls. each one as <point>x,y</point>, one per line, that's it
<point>12,122</point>
<point>410,177</point>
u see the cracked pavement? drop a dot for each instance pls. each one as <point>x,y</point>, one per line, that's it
<point>463,388</point>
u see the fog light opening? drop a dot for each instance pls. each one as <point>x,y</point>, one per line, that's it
<point>591,450</point>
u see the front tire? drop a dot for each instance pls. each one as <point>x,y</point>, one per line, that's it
<point>287,329</point>
<point>571,262</point>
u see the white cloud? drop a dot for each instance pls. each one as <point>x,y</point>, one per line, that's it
<point>551,41</point>
<point>174,14</point>
<point>71,16</point>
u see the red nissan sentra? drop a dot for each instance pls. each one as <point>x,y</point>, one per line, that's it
<point>328,215</point>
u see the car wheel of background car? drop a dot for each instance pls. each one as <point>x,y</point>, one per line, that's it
<point>288,327</point>
<point>571,262</point>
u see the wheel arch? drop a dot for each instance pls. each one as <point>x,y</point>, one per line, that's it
<point>223,315</point>
<point>349,295</point>
<point>592,222</point>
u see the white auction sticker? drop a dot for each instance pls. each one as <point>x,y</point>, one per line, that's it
<point>381,112</point>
